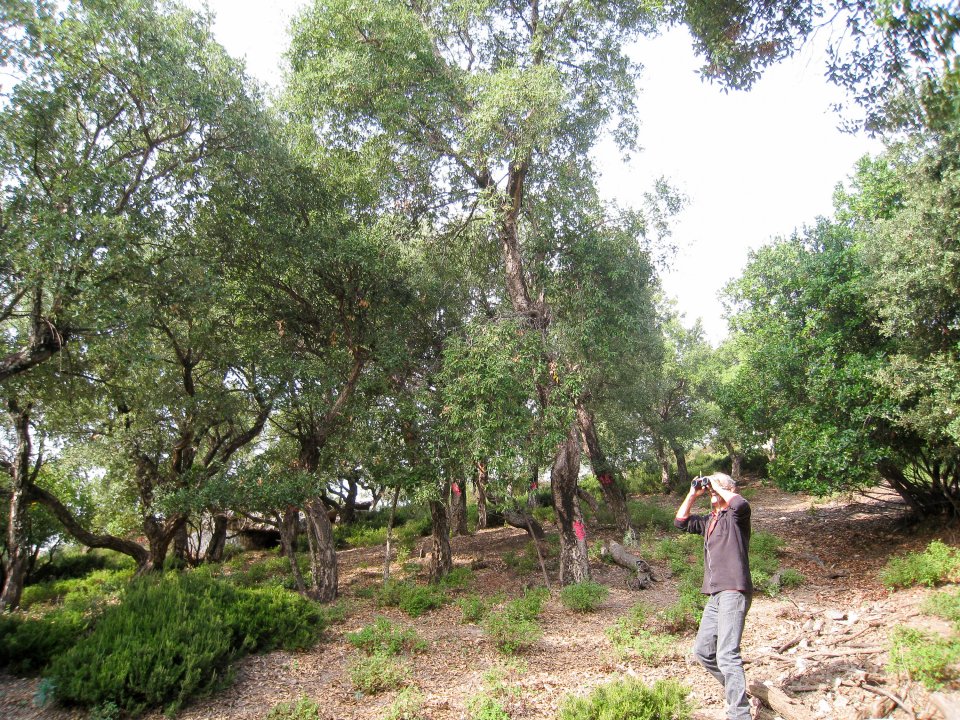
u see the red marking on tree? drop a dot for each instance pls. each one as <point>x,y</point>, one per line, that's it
<point>456,489</point>
<point>605,479</point>
<point>579,530</point>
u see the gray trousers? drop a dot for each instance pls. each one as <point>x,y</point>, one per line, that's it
<point>717,647</point>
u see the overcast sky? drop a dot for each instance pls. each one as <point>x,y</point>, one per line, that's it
<point>755,165</point>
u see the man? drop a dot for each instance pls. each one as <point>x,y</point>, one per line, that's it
<point>726,579</point>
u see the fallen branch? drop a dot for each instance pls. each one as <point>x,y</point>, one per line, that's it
<point>890,696</point>
<point>619,554</point>
<point>779,702</point>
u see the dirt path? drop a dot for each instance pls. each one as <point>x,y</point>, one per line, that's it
<point>821,642</point>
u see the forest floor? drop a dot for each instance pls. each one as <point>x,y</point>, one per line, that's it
<point>823,643</point>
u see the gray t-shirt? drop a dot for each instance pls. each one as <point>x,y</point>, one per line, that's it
<point>726,563</point>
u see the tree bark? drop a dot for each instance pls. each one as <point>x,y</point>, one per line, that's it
<point>22,474</point>
<point>387,559</point>
<point>441,562</point>
<point>480,483</point>
<point>218,539</point>
<point>458,508</point>
<point>661,453</point>
<point>683,475</point>
<point>524,521</point>
<point>610,484</point>
<point>288,541</point>
<point>323,556</point>
<point>574,562</point>
<point>736,461</point>
<point>622,557</point>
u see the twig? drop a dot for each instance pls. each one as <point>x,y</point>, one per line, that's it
<point>880,691</point>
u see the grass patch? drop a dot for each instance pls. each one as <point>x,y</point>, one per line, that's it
<point>385,637</point>
<point>373,674</point>
<point>303,709</point>
<point>408,705</point>
<point>630,637</point>
<point>945,605</point>
<point>924,657</point>
<point>937,565</point>
<point>584,597</point>
<point>630,699</point>
<point>515,626</point>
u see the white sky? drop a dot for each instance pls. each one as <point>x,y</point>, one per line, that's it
<point>755,165</point>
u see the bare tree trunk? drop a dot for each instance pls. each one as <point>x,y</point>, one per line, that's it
<point>386,552</point>
<point>664,463</point>
<point>683,475</point>
<point>323,555</point>
<point>534,486</point>
<point>441,562</point>
<point>22,474</point>
<point>607,476</point>
<point>218,539</point>
<point>160,534</point>
<point>480,483</point>
<point>736,461</point>
<point>458,508</point>
<point>574,562</point>
<point>181,546</point>
<point>288,541</point>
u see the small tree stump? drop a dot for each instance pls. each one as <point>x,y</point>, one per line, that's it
<point>621,556</point>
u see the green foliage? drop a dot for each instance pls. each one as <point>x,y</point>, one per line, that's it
<point>174,637</point>
<point>936,565</point>
<point>514,627</point>
<point>647,515</point>
<point>99,585</point>
<point>631,638</point>
<point>385,637</point>
<point>28,645</point>
<point>522,564</point>
<point>486,707</point>
<point>764,561</point>
<point>475,607</point>
<point>945,605</point>
<point>630,699</point>
<point>925,657</point>
<point>413,599</point>
<point>74,564</point>
<point>585,596</point>
<point>373,674</point>
<point>408,705</point>
<point>303,709</point>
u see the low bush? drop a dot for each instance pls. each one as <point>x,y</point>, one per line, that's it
<point>936,565</point>
<point>27,645</point>
<point>630,637</point>
<point>98,585</point>
<point>630,699</point>
<point>924,657</point>
<point>173,637</point>
<point>475,607</point>
<point>585,596</point>
<point>408,705</point>
<point>385,637</point>
<point>514,627</point>
<point>486,707</point>
<point>373,674</point>
<point>945,605</point>
<point>74,564</point>
<point>648,516</point>
<point>303,709</point>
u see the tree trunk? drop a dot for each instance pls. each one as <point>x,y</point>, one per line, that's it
<point>534,486</point>
<point>683,475</point>
<point>480,483</point>
<point>386,551</point>
<point>15,572</point>
<point>160,534</point>
<point>181,546</point>
<point>441,562</point>
<point>288,541</point>
<point>736,461</point>
<point>458,508</point>
<point>610,485</point>
<point>218,539</point>
<point>348,512</point>
<point>574,563</point>
<point>524,521</point>
<point>323,556</point>
<point>664,463</point>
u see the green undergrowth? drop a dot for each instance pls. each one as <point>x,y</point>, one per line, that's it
<point>414,598</point>
<point>174,637</point>
<point>634,636</point>
<point>630,699</point>
<point>937,565</point>
<point>584,597</point>
<point>928,657</point>
<point>500,690</point>
<point>302,709</point>
<point>515,626</point>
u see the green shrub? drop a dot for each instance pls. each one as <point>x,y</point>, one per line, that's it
<point>303,709</point>
<point>27,645</point>
<point>75,564</point>
<point>413,599</point>
<point>408,705</point>
<point>938,564</point>
<point>456,579</point>
<point>175,636</point>
<point>520,564</point>
<point>515,627</point>
<point>372,674</point>
<point>486,707</point>
<point>924,657</point>
<point>97,586</point>
<point>945,605</point>
<point>630,637</point>
<point>650,516</point>
<point>630,699</point>
<point>385,637</point>
<point>585,596</point>
<point>475,607</point>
